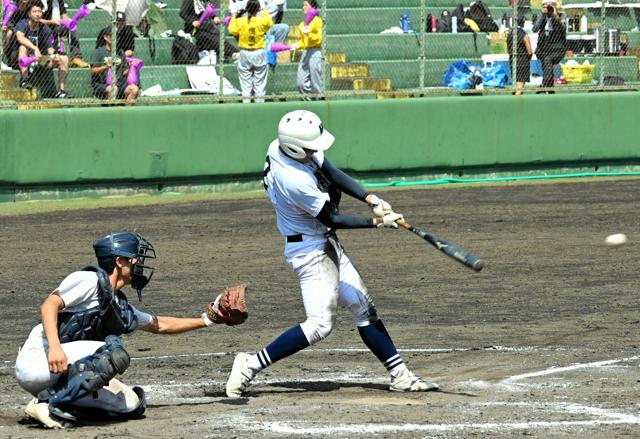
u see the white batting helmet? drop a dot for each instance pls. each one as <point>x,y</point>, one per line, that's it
<point>300,130</point>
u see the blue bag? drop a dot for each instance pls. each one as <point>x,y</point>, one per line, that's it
<point>460,75</point>
<point>494,76</point>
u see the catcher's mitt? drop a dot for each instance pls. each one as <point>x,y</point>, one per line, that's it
<point>229,307</point>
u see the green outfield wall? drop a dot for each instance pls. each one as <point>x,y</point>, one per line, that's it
<point>130,145</point>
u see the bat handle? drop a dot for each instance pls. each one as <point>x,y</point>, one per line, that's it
<point>404,224</point>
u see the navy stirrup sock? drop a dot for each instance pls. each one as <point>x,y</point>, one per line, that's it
<point>288,343</point>
<point>378,340</point>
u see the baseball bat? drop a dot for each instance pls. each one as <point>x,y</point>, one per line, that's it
<point>454,252</point>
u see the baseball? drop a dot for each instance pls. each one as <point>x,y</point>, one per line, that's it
<point>616,240</point>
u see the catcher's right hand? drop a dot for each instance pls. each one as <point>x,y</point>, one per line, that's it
<point>229,307</point>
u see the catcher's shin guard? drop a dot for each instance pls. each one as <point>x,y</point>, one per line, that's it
<point>91,373</point>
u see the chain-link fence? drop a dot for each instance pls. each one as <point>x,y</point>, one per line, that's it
<point>144,51</point>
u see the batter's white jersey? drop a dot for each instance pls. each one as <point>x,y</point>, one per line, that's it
<point>293,189</point>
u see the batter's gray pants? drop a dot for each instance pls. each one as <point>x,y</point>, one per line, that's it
<point>253,73</point>
<point>310,72</point>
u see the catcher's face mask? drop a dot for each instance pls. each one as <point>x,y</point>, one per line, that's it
<point>141,273</point>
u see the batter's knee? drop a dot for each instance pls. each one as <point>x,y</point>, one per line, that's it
<point>317,329</point>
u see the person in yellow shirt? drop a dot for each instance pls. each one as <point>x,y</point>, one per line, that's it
<point>250,29</point>
<point>310,66</point>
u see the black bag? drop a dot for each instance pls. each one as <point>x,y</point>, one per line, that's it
<point>184,51</point>
<point>460,15</point>
<point>479,12</point>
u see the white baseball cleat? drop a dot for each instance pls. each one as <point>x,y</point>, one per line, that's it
<point>240,377</point>
<point>40,412</point>
<point>409,382</point>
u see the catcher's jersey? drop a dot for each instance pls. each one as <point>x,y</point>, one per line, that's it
<point>79,291</point>
<point>293,190</point>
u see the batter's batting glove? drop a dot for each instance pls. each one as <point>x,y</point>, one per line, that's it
<point>390,220</point>
<point>379,207</point>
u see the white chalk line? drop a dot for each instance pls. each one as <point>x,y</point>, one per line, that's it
<point>603,417</point>
<point>576,366</point>
<point>598,416</point>
<point>11,364</point>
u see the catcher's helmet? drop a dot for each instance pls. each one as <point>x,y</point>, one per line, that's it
<point>127,245</point>
<point>300,130</point>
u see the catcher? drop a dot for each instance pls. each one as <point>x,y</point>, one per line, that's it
<point>69,361</point>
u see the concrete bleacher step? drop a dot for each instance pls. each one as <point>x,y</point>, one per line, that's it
<point>339,21</point>
<point>407,46</point>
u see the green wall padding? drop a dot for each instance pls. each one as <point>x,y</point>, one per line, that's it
<point>187,141</point>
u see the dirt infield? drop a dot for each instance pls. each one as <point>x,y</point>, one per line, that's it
<point>544,342</point>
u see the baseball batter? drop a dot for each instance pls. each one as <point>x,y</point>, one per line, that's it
<point>69,361</point>
<point>305,190</point>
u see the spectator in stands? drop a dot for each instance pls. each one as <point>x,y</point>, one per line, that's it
<point>101,63</point>
<point>552,40</point>
<point>523,53</point>
<point>34,39</point>
<point>310,66</point>
<point>9,42</point>
<point>251,31</point>
<point>53,12</point>
<point>206,34</point>
<point>279,30</point>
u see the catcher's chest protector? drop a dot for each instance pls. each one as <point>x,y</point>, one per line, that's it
<point>113,316</point>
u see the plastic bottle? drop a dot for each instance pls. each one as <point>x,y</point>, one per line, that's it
<point>583,24</point>
<point>454,24</point>
<point>434,23</point>
<point>405,23</point>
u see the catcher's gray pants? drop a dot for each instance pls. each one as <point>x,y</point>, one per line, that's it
<point>32,374</point>
<point>253,72</point>
<point>310,72</point>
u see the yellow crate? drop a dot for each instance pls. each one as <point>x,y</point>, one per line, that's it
<point>7,81</point>
<point>350,71</point>
<point>372,84</point>
<point>578,74</point>
<point>19,95</point>
<point>537,4</point>
<point>336,57</point>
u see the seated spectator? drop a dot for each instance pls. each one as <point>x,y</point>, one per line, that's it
<point>53,12</point>
<point>33,39</point>
<point>251,30</point>
<point>206,34</point>
<point>8,29</point>
<point>102,82</point>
